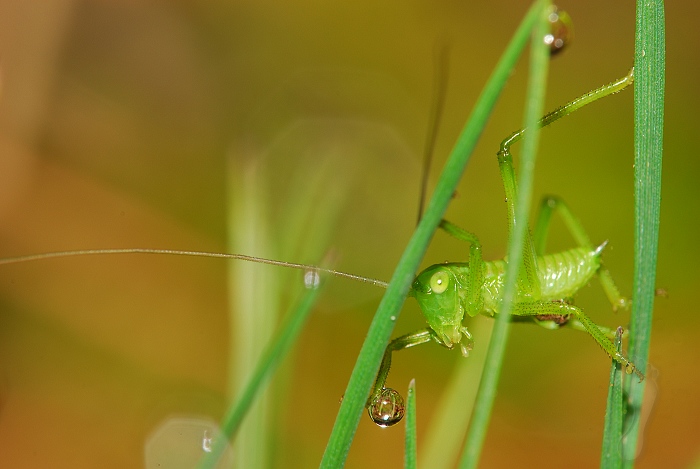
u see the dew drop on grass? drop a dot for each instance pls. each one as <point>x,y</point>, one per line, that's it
<point>561,31</point>
<point>181,441</point>
<point>311,279</point>
<point>388,409</point>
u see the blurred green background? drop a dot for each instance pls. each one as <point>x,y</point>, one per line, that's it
<point>181,124</point>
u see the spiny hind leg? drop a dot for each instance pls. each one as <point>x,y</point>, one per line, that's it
<point>556,321</point>
<point>551,204</point>
<point>555,309</point>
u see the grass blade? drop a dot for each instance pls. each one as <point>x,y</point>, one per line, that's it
<point>380,330</point>
<point>445,435</point>
<point>649,70</point>
<point>411,452</point>
<point>611,456</point>
<point>265,368</point>
<point>539,64</point>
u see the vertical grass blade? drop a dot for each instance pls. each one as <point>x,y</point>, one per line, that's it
<point>445,435</point>
<point>611,456</point>
<point>411,449</point>
<point>649,70</point>
<point>534,108</point>
<point>254,304</point>
<point>380,330</point>
<point>257,295</point>
<point>265,368</point>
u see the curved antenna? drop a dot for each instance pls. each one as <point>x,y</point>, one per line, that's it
<point>442,50</point>
<point>240,257</point>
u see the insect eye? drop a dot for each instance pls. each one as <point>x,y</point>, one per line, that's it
<point>439,282</point>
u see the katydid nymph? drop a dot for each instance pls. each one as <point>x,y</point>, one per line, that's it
<point>450,293</point>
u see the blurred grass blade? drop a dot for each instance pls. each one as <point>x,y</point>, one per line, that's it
<point>265,368</point>
<point>254,302</point>
<point>448,426</point>
<point>534,109</point>
<point>258,294</point>
<point>611,456</point>
<point>380,330</point>
<point>649,71</point>
<point>411,451</point>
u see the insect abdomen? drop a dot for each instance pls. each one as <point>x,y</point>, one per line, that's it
<point>560,275</point>
<point>564,273</point>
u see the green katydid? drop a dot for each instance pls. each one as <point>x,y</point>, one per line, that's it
<point>449,293</point>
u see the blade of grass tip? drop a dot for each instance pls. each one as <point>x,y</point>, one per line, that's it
<point>611,455</point>
<point>380,330</point>
<point>411,451</point>
<point>265,368</point>
<point>534,108</point>
<point>649,87</point>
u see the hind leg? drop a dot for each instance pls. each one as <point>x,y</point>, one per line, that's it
<point>562,309</point>
<point>552,204</point>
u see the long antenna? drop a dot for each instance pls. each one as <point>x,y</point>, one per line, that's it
<point>240,257</point>
<point>439,86</point>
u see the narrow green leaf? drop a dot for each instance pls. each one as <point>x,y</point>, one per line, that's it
<point>265,368</point>
<point>611,456</point>
<point>411,451</point>
<point>380,330</point>
<point>649,70</point>
<point>444,438</point>
<point>534,108</point>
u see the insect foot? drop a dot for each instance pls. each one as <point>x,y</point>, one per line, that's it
<point>629,366</point>
<point>622,304</point>
<point>387,408</point>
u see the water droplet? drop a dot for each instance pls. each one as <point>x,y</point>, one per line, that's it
<point>561,31</point>
<point>311,279</point>
<point>393,318</point>
<point>206,442</point>
<point>387,409</point>
<point>180,441</point>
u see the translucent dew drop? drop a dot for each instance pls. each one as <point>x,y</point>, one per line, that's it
<point>312,279</point>
<point>387,409</point>
<point>561,31</point>
<point>206,442</point>
<point>182,440</point>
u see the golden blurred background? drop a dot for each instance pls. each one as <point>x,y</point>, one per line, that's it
<point>226,126</point>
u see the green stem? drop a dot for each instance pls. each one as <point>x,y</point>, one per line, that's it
<point>265,368</point>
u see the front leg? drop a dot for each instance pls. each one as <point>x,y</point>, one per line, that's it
<point>385,405</point>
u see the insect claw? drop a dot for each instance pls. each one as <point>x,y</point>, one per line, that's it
<point>466,343</point>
